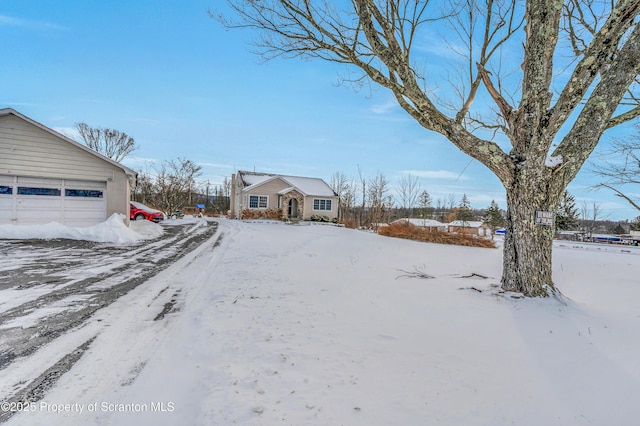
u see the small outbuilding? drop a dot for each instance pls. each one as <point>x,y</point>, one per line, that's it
<point>48,177</point>
<point>470,227</point>
<point>430,224</point>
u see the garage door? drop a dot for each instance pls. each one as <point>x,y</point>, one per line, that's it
<point>27,200</point>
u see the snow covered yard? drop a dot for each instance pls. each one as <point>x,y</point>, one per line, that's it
<point>320,325</point>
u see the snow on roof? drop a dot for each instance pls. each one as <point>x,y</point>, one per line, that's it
<point>249,178</point>
<point>284,191</point>
<point>420,222</point>
<point>310,186</point>
<point>467,223</point>
<point>306,185</point>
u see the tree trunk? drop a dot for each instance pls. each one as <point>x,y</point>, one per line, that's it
<point>527,247</point>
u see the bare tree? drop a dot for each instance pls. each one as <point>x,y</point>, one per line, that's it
<point>590,217</point>
<point>144,191</point>
<point>340,186</point>
<point>350,203</point>
<point>363,186</point>
<point>226,187</point>
<point>108,142</point>
<point>507,116</point>
<point>409,192</point>
<point>451,202</point>
<point>440,209</point>
<point>175,184</point>
<point>225,194</point>
<point>380,201</point>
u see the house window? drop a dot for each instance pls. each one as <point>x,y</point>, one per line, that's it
<point>319,204</point>
<point>7,190</point>
<point>258,201</point>
<point>28,190</point>
<point>91,193</point>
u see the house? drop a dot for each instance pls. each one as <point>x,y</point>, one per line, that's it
<point>287,197</point>
<point>430,224</point>
<point>470,227</point>
<point>570,235</point>
<point>46,176</point>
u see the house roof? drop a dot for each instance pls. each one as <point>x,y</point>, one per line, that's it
<point>286,190</point>
<point>11,111</point>
<point>467,223</point>
<point>305,185</point>
<point>420,222</point>
<point>252,178</point>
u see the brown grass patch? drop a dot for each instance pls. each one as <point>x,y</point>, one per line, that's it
<point>412,232</point>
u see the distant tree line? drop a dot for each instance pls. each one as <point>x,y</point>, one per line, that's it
<point>589,218</point>
<point>368,202</point>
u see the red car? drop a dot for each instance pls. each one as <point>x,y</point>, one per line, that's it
<point>139,211</point>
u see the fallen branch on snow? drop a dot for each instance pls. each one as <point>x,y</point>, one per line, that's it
<point>474,275</point>
<point>414,274</point>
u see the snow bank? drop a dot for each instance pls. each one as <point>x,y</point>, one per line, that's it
<point>113,230</point>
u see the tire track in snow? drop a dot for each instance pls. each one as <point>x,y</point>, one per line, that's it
<point>41,316</point>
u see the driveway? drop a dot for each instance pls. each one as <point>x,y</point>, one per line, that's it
<point>48,287</point>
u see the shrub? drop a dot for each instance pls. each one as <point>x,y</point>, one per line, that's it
<point>320,218</point>
<point>349,222</point>
<point>412,232</point>
<point>262,214</point>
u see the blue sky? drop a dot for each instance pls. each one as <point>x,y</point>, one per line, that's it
<point>168,75</point>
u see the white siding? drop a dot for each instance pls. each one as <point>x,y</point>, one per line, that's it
<point>28,151</point>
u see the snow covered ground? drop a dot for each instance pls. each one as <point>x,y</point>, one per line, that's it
<point>321,325</point>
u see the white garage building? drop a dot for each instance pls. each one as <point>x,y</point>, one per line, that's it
<point>45,177</point>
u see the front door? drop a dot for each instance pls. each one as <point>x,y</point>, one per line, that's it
<point>293,208</point>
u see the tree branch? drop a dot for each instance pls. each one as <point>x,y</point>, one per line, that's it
<point>624,117</point>
<point>594,118</point>
<point>596,58</point>
<point>620,194</point>
<point>505,109</point>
